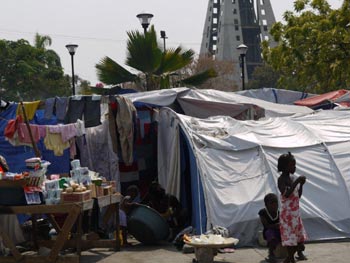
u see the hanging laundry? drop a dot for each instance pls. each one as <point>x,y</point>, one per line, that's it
<point>125,115</point>
<point>86,108</point>
<point>30,109</point>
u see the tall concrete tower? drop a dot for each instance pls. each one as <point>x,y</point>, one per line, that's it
<point>230,23</point>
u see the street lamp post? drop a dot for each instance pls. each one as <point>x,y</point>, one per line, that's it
<point>145,20</point>
<point>163,35</point>
<point>71,49</point>
<point>242,49</point>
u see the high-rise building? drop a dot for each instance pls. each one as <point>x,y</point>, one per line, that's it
<point>230,23</point>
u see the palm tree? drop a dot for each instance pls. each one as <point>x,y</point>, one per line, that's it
<point>50,57</point>
<point>42,41</point>
<point>155,66</point>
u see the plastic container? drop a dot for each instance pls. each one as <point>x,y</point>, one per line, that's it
<point>147,225</point>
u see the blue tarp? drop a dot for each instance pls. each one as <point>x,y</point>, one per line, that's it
<point>192,197</point>
<point>16,155</point>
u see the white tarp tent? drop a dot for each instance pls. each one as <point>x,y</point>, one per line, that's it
<point>237,164</point>
<point>206,103</point>
<point>280,96</point>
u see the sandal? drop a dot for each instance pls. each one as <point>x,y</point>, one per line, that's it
<point>301,257</point>
<point>226,250</point>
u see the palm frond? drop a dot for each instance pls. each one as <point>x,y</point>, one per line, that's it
<point>111,73</point>
<point>143,51</point>
<point>42,41</point>
<point>174,59</point>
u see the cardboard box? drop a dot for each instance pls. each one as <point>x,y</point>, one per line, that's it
<point>76,196</point>
<point>99,191</point>
<point>92,188</point>
<point>114,186</point>
<point>107,190</point>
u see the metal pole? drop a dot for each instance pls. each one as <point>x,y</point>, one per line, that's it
<point>73,82</point>
<point>145,28</point>
<point>35,146</point>
<point>242,62</point>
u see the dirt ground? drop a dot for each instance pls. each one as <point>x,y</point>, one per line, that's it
<point>325,252</point>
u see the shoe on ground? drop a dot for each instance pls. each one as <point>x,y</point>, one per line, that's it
<point>301,257</point>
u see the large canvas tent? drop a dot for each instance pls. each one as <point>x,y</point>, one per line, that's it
<point>234,166</point>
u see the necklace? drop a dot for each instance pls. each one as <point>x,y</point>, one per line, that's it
<point>272,218</point>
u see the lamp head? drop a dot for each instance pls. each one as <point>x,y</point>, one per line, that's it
<point>71,48</point>
<point>162,34</point>
<point>145,19</point>
<point>242,49</point>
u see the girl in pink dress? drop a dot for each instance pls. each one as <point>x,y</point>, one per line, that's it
<point>292,230</point>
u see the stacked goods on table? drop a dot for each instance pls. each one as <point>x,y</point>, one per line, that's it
<point>85,184</point>
<point>34,162</point>
<point>52,191</point>
<point>69,189</point>
<point>75,192</point>
<point>100,187</point>
<point>25,187</point>
<point>32,187</point>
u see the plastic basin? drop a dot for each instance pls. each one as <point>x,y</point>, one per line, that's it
<point>147,225</point>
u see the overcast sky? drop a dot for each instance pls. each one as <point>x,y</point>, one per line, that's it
<point>99,26</point>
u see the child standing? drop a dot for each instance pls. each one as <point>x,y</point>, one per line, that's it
<point>292,230</point>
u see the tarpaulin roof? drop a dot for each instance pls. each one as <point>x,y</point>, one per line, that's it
<point>316,100</point>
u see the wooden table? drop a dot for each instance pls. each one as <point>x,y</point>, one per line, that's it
<point>74,212</point>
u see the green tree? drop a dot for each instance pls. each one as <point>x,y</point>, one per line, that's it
<point>154,66</point>
<point>313,51</point>
<point>27,70</point>
<point>263,77</point>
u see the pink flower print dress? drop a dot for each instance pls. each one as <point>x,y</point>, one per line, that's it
<point>291,226</point>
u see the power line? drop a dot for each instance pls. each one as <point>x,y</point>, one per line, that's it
<point>61,36</point>
<point>88,38</point>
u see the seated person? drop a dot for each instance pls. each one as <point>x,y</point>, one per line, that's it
<point>134,193</point>
<point>123,223</point>
<point>269,217</point>
<point>9,223</point>
<point>156,198</point>
<point>168,206</point>
<point>131,199</point>
<point>3,165</point>
<point>177,216</point>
